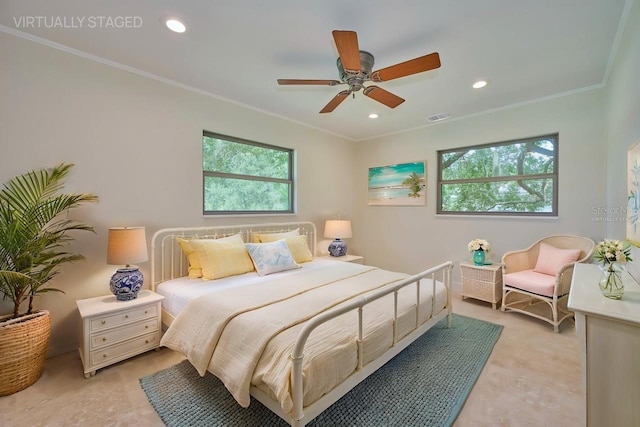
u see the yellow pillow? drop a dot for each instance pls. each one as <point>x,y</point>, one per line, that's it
<point>297,246</point>
<point>222,257</point>
<point>195,269</point>
<point>257,237</point>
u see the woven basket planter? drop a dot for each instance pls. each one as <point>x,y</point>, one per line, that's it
<point>23,349</point>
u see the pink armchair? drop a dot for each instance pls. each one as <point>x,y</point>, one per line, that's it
<point>537,280</point>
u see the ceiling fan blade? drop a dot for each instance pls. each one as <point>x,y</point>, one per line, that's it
<point>407,68</point>
<point>347,44</point>
<point>308,82</point>
<point>335,102</point>
<point>383,96</point>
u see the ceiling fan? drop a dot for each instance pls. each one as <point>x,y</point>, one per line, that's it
<point>354,67</point>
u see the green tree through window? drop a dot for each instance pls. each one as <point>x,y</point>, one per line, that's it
<point>243,176</point>
<point>509,178</point>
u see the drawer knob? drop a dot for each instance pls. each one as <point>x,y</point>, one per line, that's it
<point>104,338</point>
<point>126,316</point>
<point>146,326</point>
<point>104,321</point>
<point>145,312</point>
<point>104,355</point>
<point>146,341</point>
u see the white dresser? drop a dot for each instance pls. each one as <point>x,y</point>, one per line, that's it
<point>609,333</point>
<point>115,330</point>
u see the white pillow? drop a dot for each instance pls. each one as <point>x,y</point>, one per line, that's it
<point>272,257</point>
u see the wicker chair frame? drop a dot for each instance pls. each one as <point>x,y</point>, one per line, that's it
<point>551,309</point>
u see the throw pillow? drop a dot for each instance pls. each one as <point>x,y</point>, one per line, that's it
<point>222,257</point>
<point>269,258</point>
<point>195,269</point>
<point>551,259</point>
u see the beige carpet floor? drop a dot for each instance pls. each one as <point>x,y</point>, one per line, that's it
<point>532,378</point>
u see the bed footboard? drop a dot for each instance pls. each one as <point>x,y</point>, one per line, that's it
<point>302,415</point>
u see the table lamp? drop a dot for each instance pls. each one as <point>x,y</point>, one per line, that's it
<point>337,229</point>
<point>127,245</point>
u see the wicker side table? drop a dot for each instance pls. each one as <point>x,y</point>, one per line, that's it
<point>482,282</point>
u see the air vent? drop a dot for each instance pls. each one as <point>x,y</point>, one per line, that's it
<point>438,117</point>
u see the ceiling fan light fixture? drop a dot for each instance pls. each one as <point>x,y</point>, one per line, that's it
<point>355,79</point>
<point>479,84</point>
<point>354,69</point>
<point>175,25</point>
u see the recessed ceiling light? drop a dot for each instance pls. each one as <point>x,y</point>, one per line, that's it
<point>175,25</point>
<point>479,84</point>
<point>373,116</point>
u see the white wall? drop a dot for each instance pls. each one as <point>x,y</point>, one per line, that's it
<point>413,238</point>
<point>623,116</point>
<point>136,143</point>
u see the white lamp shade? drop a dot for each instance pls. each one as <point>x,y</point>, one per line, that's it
<point>127,245</point>
<point>337,229</point>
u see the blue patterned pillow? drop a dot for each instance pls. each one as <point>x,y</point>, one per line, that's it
<point>271,257</point>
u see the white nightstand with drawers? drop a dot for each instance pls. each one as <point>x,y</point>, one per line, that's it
<point>115,330</point>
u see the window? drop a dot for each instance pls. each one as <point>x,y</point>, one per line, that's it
<point>242,177</point>
<point>506,178</point>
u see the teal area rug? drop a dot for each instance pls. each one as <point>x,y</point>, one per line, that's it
<point>425,385</point>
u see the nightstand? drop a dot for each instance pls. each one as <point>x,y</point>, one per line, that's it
<point>115,330</point>
<point>347,258</point>
<point>483,282</point>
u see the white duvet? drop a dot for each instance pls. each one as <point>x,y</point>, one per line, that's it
<point>245,335</point>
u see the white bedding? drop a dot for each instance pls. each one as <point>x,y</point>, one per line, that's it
<point>181,291</point>
<point>229,331</point>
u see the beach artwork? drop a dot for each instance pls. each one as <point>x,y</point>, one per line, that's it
<point>398,185</point>
<point>633,194</point>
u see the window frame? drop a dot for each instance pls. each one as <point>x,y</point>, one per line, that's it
<point>290,180</point>
<point>553,175</point>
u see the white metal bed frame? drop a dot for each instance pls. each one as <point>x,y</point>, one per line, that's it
<point>168,262</point>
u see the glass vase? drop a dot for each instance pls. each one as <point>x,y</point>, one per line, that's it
<point>611,284</point>
<point>478,257</point>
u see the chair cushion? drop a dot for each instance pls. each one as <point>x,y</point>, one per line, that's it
<point>531,281</point>
<point>551,259</point>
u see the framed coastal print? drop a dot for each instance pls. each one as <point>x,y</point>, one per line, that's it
<point>633,194</point>
<point>402,184</point>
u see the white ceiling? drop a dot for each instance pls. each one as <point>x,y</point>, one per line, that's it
<point>236,49</point>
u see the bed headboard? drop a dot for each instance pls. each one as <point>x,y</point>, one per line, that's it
<point>169,262</point>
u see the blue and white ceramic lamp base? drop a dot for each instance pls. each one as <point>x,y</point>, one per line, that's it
<point>338,248</point>
<point>126,283</point>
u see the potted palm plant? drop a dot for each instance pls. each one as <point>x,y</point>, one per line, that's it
<point>34,230</point>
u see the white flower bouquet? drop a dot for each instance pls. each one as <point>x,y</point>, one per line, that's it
<point>479,245</point>
<point>612,254</point>
<point>609,251</point>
